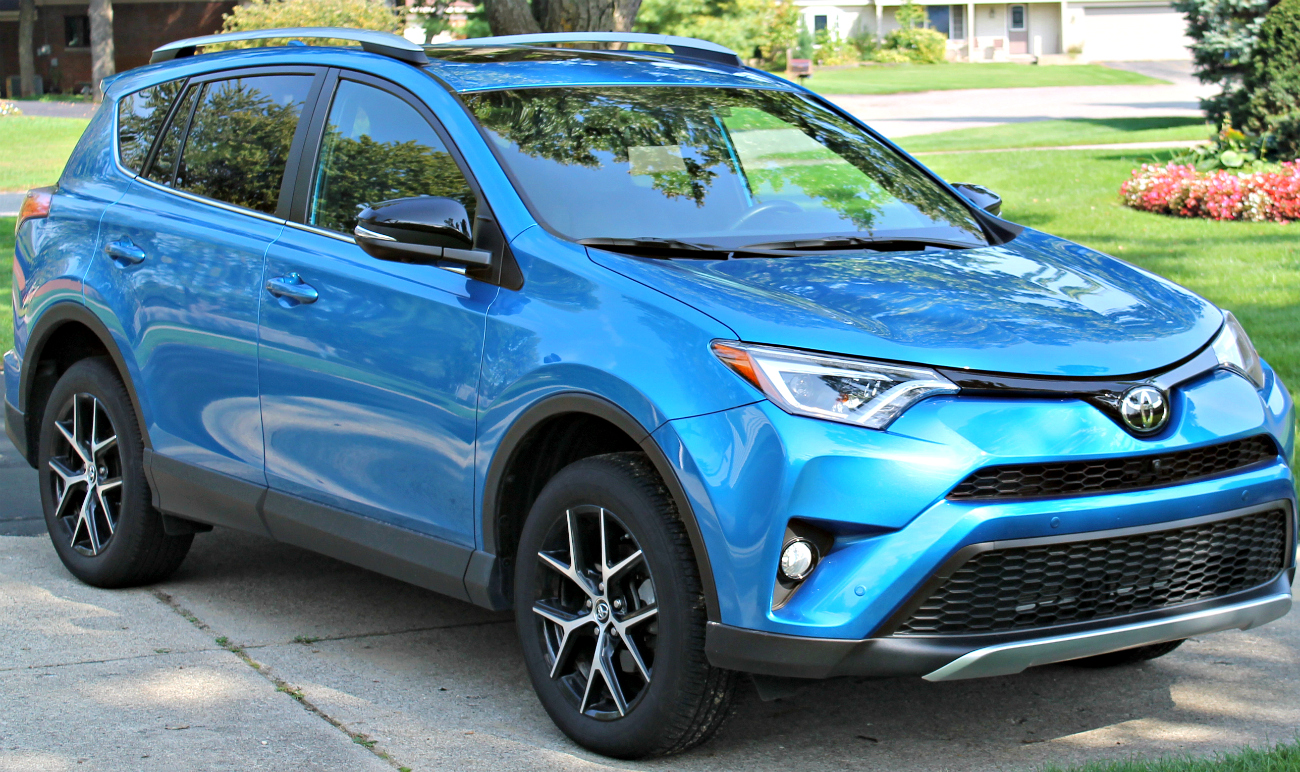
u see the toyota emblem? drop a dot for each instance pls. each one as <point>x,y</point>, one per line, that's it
<point>1144,409</point>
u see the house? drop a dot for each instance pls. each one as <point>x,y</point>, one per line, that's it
<point>62,36</point>
<point>989,31</point>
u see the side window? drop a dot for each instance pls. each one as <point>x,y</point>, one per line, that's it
<point>376,148</point>
<point>239,139</point>
<point>139,117</point>
<point>169,144</point>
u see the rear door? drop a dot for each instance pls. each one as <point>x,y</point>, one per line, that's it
<point>180,273</point>
<point>369,377</point>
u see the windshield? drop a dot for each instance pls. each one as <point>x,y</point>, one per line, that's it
<point>723,166</point>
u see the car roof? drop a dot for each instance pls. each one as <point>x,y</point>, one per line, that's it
<point>481,68</point>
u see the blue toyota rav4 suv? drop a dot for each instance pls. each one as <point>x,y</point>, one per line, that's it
<point>692,369</point>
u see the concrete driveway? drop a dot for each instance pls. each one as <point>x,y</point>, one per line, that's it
<point>331,659</point>
<point>901,115</point>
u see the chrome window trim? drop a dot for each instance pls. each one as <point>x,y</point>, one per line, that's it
<point>320,231</point>
<point>212,202</point>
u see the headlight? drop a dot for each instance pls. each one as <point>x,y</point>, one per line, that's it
<point>851,391</point>
<point>1236,352</point>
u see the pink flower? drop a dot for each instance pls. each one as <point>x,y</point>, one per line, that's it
<point>1222,195</point>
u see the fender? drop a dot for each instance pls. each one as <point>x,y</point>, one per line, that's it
<point>588,403</point>
<point>55,317</point>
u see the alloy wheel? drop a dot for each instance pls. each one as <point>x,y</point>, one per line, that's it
<point>597,613</point>
<point>87,477</point>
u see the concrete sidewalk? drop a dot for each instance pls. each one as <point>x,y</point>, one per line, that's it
<point>109,678</point>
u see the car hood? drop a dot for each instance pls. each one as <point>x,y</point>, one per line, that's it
<point>1037,305</point>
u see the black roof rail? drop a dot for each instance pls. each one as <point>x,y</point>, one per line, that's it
<point>687,47</point>
<point>385,43</point>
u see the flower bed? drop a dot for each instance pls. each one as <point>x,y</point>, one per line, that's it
<point>1222,195</point>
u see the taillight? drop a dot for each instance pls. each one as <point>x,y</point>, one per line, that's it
<point>36,204</point>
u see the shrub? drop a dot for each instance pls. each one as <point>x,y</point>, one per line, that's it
<point>1271,87</point>
<point>269,14</point>
<point>1223,34</point>
<point>921,46</point>
<point>1178,189</point>
<point>761,29</point>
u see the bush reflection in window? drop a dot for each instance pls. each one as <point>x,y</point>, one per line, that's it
<point>139,117</point>
<point>377,148</point>
<point>239,139</point>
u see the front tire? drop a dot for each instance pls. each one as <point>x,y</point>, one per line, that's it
<point>610,613</point>
<point>93,488</point>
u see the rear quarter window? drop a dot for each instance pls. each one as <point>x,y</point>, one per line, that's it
<point>139,117</point>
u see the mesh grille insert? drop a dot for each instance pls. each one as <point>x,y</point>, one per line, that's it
<point>1073,478</point>
<point>1027,587</point>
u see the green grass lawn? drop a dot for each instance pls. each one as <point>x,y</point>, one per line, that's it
<point>1280,758</point>
<point>897,78</point>
<point>1251,268</point>
<point>35,149</point>
<point>6,282</point>
<point>1077,131</point>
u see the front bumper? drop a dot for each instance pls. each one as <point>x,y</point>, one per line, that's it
<point>950,658</point>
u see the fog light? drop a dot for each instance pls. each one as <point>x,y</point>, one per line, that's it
<point>798,559</point>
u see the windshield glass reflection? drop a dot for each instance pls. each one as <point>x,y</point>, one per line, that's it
<point>723,166</point>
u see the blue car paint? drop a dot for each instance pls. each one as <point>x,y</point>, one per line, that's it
<point>636,334</point>
<point>750,469</point>
<point>1038,305</point>
<point>369,394</point>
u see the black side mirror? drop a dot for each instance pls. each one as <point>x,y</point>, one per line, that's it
<point>980,196</point>
<point>423,229</point>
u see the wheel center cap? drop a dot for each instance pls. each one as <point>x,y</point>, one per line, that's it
<point>90,474</point>
<point>602,610</point>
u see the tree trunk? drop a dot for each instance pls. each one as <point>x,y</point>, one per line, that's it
<point>102,59</point>
<point>516,17</point>
<point>26,56</point>
<point>510,17</point>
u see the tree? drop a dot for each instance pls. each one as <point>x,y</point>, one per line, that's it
<point>761,29</point>
<point>1223,34</point>
<point>1269,103</point>
<point>102,59</point>
<point>270,14</point>
<point>521,17</point>
<point>26,56</point>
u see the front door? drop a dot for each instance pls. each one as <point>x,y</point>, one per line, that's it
<point>369,369</point>
<point>1018,29</point>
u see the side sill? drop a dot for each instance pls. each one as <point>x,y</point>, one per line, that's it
<point>192,493</point>
<point>16,429</point>
<point>386,549</point>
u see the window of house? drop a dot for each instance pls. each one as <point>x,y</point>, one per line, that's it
<point>957,23</point>
<point>938,16</point>
<point>377,148</point>
<point>1017,18</point>
<point>819,23</point>
<point>139,117</point>
<point>76,32</point>
<point>239,139</point>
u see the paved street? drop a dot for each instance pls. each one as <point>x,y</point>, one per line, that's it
<point>135,680</point>
<point>901,115</point>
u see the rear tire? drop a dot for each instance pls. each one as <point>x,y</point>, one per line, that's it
<point>1129,656</point>
<point>93,489</point>
<point>645,629</point>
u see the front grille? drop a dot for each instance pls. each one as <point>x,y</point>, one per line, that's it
<point>1072,478</point>
<point>1038,586</point>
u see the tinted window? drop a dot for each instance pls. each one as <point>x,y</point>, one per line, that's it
<point>239,139</point>
<point>139,116</point>
<point>376,148</point>
<point>733,167</point>
<point>163,166</point>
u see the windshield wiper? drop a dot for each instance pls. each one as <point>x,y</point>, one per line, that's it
<point>858,242</point>
<point>649,242</point>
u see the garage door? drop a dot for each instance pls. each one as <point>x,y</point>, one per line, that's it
<point>1134,32</point>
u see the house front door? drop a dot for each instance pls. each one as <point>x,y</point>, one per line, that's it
<point>1018,29</point>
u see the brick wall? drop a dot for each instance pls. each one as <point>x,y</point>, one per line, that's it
<point>138,28</point>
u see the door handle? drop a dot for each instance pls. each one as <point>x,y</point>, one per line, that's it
<point>124,253</point>
<point>291,286</point>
